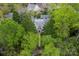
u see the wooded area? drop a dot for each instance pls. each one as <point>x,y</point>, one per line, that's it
<point>59,37</point>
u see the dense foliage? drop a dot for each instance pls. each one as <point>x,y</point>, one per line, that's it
<point>60,36</point>
<point>29,44</point>
<point>27,22</point>
<point>11,34</point>
<point>62,26</point>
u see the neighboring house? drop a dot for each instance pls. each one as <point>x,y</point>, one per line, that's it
<point>33,7</point>
<point>9,15</point>
<point>36,6</point>
<point>22,10</point>
<point>40,22</point>
<point>44,17</point>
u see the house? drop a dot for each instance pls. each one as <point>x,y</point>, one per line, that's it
<point>39,23</point>
<point>36,6</point>
<point>9,15</point>
<point>22,10</point>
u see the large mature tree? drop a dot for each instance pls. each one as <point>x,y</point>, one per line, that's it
<point>27,22</point>
<point>16,16</point>
<point>49,48</point>
<point>11,34</point>
<point>61,20</point>
<point>62,25</point>
<point>29,44</point>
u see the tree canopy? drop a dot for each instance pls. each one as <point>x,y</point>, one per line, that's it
<point>60,36</point>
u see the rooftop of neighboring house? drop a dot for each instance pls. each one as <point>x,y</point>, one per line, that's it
<point>9,15</point>
<point>31,6</point>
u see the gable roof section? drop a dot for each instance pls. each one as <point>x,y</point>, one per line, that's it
<point>30,6</point>
<point>40,6</point>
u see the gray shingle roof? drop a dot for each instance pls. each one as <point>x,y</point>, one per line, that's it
<point>32,5</point>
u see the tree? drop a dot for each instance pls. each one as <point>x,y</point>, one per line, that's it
<point>27,22</point>
<point>29,44</point>
<point>75,6</point>
<point>48,28</point>
<point>5,9</point>
<point>1,16</point>
<point>49,48</point>
<point>11,34</point>
<point>46,39</point>
<point>70,47</point>
<point>65,18</point>
<point>63,22</point>
<point>16,16</point>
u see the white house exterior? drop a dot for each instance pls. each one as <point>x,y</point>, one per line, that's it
<point>36,8</point>
<point>40,22</point>
<point>30,7</point>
